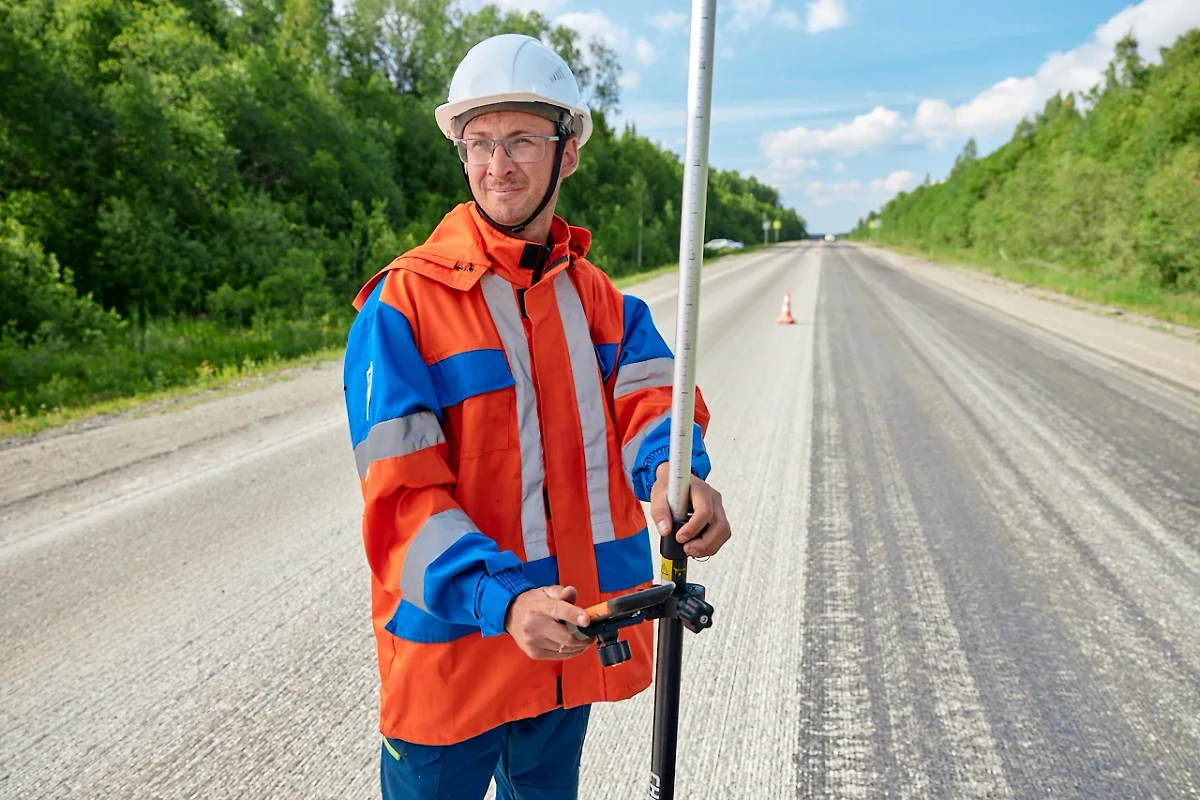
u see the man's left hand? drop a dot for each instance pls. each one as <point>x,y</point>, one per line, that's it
<point>707,510</point>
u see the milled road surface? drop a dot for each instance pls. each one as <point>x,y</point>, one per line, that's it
<point>966,564</point>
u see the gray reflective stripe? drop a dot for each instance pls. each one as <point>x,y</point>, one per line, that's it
<point>589,397</point>
<point>630,451</point>
<point>397,437</point>
<point>435,537</point>
<point>644,375</point>
<point>503,305</point>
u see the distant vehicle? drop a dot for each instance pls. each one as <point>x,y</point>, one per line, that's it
<point>723,244</point>
<point>829,237</point>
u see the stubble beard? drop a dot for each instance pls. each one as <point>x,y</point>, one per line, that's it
<point>512,210</point>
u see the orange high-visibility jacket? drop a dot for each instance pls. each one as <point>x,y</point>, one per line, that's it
<point>508,408</point>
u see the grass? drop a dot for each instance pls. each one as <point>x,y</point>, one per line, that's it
<point>633,279</point>
<point>1127,294</point>
<point>51,384</point>
<point>209,384</point>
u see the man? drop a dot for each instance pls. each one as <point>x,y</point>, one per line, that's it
<point>508,408</point>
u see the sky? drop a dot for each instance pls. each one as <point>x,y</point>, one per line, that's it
<point>840,104</point>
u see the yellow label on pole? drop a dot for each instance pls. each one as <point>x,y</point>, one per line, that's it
<point>666,569</point>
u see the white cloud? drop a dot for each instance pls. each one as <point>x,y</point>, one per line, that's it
<point>866,131</point>
<point>786,174</point>
<point>856,193</point>
<point>751,116</point>
<point>755,8</point>
<point>838,166</point>
<point>990,110</point>
<point>897,181</point>
<point>794,165</point>
<point>646,52</point>
<point>670,21</point>
<point>746,13</point>
<point>594,25</point>
<point>726,52</point>
<point>1154,23</point>
<point>824,15</point>
<point>826,193</point>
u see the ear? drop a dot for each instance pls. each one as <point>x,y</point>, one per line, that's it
<point>570,158</point>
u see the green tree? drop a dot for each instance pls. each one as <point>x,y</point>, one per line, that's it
<point>226,174</point>
<point>1104,183</point>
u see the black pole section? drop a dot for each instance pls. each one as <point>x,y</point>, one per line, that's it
<point>666,709</point>
<point>668,673</point>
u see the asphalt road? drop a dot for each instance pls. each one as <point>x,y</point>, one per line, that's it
<point>966,564</point>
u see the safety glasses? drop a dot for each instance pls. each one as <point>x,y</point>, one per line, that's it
<point>523,149</point>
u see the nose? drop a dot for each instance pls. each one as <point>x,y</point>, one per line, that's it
<point>501,164</point>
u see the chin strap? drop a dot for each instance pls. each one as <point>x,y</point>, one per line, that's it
<point>511,229</point>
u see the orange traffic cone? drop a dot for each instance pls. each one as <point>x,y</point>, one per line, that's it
<point>785,316</point>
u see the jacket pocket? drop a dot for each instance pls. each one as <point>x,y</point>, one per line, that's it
<point>475,389</point>
<point>481,424</point>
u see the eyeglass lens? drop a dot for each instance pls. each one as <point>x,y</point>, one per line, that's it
<point>521,149</point>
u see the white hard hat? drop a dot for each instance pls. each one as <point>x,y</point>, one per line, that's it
<point>508,70</point>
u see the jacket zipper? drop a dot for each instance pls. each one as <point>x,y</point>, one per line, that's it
<point>537,276</point>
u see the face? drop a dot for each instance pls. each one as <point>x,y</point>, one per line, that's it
<point>509,192</point>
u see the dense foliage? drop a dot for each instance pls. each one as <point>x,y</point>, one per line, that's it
<point>1106,184</point>
<point>187,184</point>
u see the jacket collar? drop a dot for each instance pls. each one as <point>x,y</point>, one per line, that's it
<point>464,246</point>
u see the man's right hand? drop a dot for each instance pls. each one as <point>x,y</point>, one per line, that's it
<point>535,620</point>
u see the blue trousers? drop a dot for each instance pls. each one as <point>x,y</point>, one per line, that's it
<point>531,759</point>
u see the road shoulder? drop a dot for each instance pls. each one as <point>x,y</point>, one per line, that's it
<point>56,459</point>
<point>1169,352</point>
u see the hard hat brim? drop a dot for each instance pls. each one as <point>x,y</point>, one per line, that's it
<point>445,113</point>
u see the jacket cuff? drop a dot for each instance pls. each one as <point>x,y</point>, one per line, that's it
<point>649,472</point>
<point>701,467</point>
<point>496,593</point>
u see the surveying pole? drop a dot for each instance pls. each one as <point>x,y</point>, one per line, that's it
<point>683,406</point>
<point>675,603</point>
